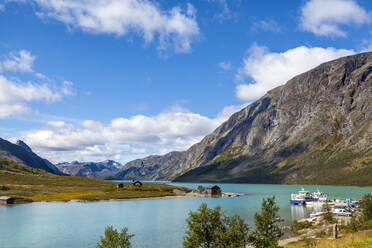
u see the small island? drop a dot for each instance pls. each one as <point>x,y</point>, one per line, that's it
<point>25,184</point>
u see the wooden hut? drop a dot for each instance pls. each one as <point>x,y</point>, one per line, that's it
<point>214,191</point>
<point>137,183</point>
<point>5,200</point>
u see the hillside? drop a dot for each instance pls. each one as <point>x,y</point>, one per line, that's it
<point>27,184</point>
<point>315,129</point>
<point>102,169</point>
<point>22,153</point>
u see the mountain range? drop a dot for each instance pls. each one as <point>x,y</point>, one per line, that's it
<point>315,129</point>
<point>21,153</point>
<point>102,169</point>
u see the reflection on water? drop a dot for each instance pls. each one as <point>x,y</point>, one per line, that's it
<point>300,212</point>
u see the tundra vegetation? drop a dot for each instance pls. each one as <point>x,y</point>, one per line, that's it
<point>28,184</point>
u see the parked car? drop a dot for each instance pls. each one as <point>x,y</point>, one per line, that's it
<point>342,212</point>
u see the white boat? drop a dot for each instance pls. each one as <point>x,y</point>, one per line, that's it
<point>316,214</point>
<point>319,196</point>
<point>301,198</point>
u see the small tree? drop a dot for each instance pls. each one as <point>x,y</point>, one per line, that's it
<point>367,207</point>
<point>114,239</point>
<point>328,215</point>
<point>209,228</point>
<point>235,234</point>
<point>353,225</point>
<point>201,188</point>
<point>267,231</point>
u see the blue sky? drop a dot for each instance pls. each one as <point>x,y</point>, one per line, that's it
<point>88,80</point>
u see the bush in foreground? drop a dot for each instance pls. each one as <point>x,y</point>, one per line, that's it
<point>328,215</point>
<point>267,231</point>
<point>367,207</point>
<point>114,239</point>
<point>207,228</point>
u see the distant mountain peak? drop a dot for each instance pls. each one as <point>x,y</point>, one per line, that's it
<point>90,169</point>
<point>23,145</point>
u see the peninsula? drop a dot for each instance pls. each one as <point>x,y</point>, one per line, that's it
<point>27,184</point>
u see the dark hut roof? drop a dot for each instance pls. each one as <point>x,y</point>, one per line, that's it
<point>214,186</point>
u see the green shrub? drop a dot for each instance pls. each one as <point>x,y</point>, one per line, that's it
<point>267,231</point>
<point>207,228</point>
<point>367,207</point>
<point>328,215</point>
<point>114,239</point>
<point>297,226</point>
<point>200,188</point>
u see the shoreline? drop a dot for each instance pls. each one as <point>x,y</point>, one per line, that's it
<point>186,195</point>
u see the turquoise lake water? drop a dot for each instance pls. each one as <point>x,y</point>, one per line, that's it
<point>155,222</point>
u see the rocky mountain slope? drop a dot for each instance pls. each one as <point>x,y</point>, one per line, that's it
<point>153,167</point>
<point>102,169</point>
<point>22,153</point>
<point>317,128</point>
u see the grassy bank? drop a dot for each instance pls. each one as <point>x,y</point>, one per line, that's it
<point>27,184</point>
<point>351,240</point>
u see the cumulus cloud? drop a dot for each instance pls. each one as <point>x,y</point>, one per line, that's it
<point>270,69</point>
<point>325,17</point>
<point>15,95</point>
<point>175,28</point>
<point>172,129</point>
<point>22,62</point>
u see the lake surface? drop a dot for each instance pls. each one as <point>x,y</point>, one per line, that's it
<point>155,222</point>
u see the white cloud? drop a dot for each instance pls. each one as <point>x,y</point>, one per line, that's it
<point>270,69</point>
<point>15,95</point>
<point>174,28</point>
<point>172,129</point>
<point>267,25</point>
<point>7,110</point>
<point>324,17</point>
<point>67,88</point>
<point>225,65</point>
<point>22,62</point>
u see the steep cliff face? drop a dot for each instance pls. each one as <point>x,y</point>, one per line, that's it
<point>318,122</point>
<point>22,153</point>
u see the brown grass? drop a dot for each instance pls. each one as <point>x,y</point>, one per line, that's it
<point>361,239</point>
<point>28,184</point>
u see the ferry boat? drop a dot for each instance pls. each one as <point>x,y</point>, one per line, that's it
<point>320,196</point>
<point>301,198</point>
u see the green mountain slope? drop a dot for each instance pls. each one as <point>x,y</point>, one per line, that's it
<point>315,129</point>
<point>22,154</point>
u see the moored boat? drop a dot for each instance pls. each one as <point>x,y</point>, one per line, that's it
<point>297,200</point>
<point>320,196</point>
<point>301,198</point>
